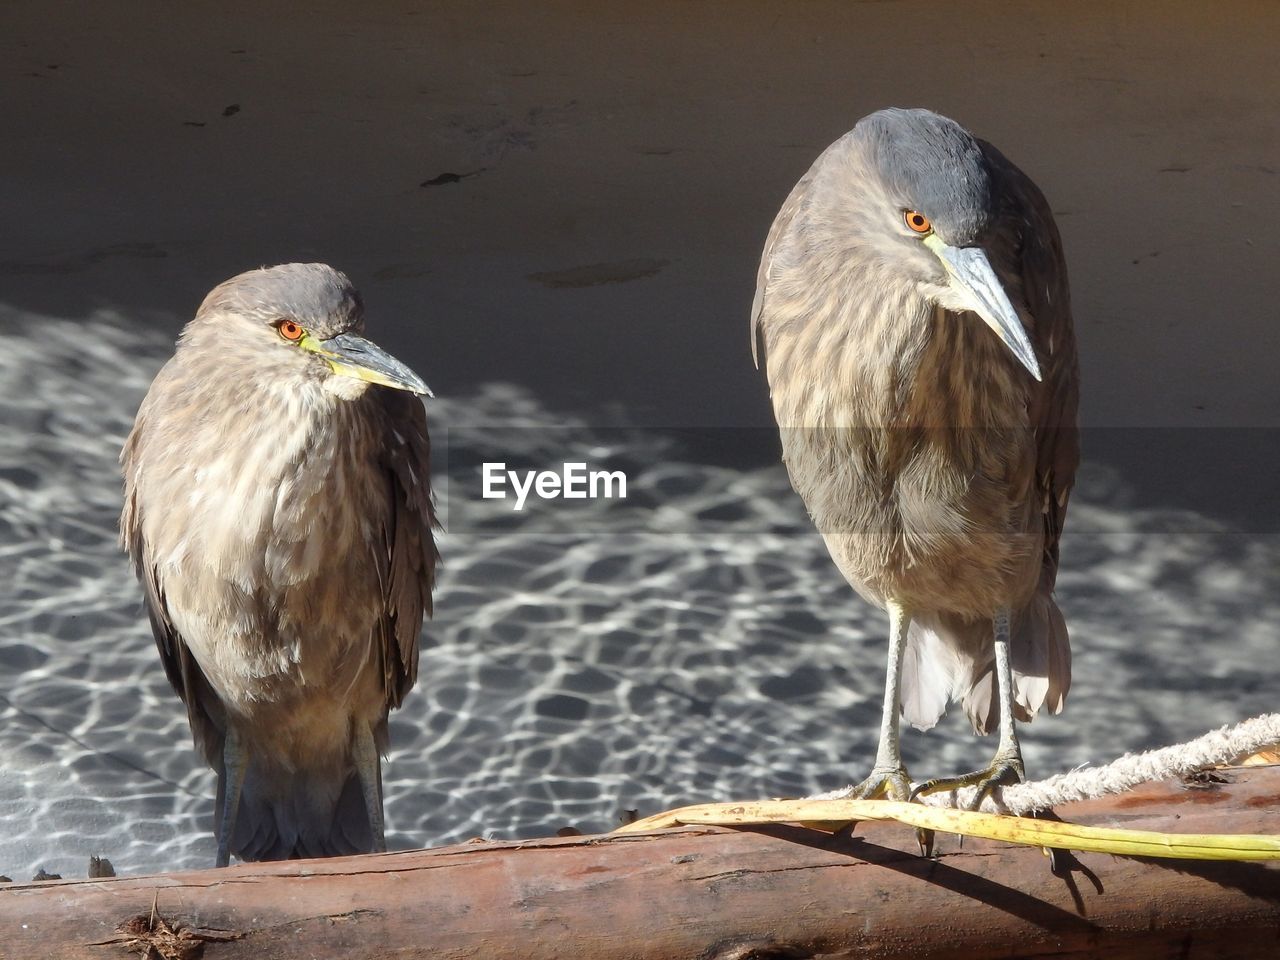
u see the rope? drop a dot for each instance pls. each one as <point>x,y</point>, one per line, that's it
<point>1217,747</point>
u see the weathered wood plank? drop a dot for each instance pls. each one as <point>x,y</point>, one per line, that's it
<point>708,893</point>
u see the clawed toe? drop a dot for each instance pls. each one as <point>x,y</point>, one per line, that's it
<point>888,783</point>
<point>1003,772</point>
<point>892,783</point>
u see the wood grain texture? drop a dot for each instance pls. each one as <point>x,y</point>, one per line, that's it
<point>784,892</point>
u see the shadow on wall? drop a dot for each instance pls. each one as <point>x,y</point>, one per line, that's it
<point>573,198</point>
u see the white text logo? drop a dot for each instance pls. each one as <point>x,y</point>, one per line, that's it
<point>572,482</point>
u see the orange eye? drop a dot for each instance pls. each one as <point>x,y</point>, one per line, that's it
<point>917,221</point>
<point>291,330</point>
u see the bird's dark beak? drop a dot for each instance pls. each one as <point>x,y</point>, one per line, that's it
<point>972,276</point>
<point>353,356</point>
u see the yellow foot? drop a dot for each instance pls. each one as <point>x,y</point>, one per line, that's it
<point>892,783</point>
<point>888,783</point>
<point>1002,772</point>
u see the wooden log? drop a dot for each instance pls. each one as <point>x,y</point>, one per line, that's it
<point>717,894</point>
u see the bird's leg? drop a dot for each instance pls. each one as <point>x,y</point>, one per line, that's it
<point>1006,766</point>
<point>364,751</point>
<point>889,776</point>
<point>235,761</point>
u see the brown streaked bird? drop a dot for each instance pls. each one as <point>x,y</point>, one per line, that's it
<point>278,511</point>
<point>912,306</point>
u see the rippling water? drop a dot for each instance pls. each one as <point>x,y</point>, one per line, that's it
<point>567,676</point>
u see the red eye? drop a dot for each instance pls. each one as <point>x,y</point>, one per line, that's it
<point>290,330</point>
<point>917,221</point>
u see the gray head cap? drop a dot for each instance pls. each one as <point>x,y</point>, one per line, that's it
<point>933,165</point>
<point>317,296</point>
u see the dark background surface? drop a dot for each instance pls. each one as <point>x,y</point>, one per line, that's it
<point>620,165</point>
<point>555,213</point>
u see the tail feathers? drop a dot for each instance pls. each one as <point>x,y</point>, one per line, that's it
<point>931,665</point>
<point>301,815</point>
<point>1058,643</point>
<point>948,659</point>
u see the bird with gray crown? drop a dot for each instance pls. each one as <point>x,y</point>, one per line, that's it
<point>913,315</point>
<point>278,512</point>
